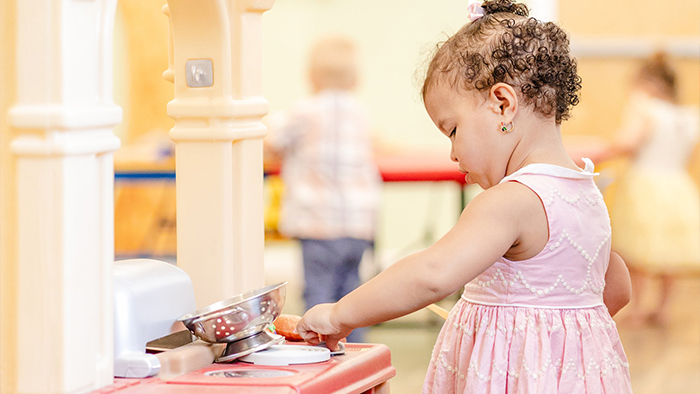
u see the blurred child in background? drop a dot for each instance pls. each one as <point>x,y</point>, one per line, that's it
<point>655,207</point>
<point>332,185</point>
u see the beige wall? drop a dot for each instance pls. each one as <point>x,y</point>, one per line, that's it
<point>637,18</point>
<point>606,80</point>
<point>395,38</point>
<point>8,250</point>
<point>140,57</point>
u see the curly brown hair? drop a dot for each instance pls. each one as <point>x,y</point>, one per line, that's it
<point>505,45</point>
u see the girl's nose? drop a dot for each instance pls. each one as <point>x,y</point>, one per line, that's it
<point>453,157</point>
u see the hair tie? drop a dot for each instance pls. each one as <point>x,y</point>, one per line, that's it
<point>475,9</point>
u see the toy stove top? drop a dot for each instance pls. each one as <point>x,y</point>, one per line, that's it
<point>248,346</point>
<point>364,368</point>
<point>266,348</point>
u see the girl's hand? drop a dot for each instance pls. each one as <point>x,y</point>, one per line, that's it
<point>319,324</point>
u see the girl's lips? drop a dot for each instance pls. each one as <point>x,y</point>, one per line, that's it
<point>466,176</point>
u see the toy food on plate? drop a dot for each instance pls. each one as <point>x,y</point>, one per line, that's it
<point>286,325</point>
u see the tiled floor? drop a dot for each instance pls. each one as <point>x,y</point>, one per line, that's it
<point>667,360</point>
<point>661,360</point>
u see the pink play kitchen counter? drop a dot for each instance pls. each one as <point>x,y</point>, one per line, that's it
<point>364,368</point>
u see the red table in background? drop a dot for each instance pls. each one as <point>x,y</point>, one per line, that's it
<point>400,165</point>
<point>419,166</point>
<point>409,165</point>
<point>434,164</point>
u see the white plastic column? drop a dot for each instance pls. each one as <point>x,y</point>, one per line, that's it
<point>217,107</point>
<point>64,115</point>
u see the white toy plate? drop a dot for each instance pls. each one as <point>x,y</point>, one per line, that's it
<point>288,354</point>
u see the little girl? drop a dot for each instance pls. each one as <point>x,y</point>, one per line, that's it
<point>655,205</point>
<point>533,248</point>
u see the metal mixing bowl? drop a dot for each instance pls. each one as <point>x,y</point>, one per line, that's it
<point>237,317</point>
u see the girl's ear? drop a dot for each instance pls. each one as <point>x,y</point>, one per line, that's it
<point>503,100</point>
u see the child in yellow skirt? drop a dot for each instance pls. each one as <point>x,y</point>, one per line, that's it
<point>655,206</point>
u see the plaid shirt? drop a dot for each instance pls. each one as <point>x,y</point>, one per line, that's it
<point>332,184</point>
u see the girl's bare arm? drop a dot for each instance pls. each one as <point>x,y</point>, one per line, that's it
<point>487,228</point>
<point>617,285</point>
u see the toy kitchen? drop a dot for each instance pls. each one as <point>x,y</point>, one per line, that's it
<point>228,346</point>
<point>86,324</point>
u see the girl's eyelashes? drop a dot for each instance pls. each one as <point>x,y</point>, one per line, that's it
<point>453,132</point>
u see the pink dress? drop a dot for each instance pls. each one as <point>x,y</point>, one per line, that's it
<point>539,325</point>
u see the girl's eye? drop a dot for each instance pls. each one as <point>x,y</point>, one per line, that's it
<point>453,132</point>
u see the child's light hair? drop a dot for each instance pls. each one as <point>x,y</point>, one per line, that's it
<point>506,46</point>
<point>333,64</point>
<point>657,69</point>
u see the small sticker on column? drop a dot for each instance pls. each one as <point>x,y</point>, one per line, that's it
<point>199,73</point>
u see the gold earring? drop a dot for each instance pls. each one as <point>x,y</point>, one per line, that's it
<point>507,127</point>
